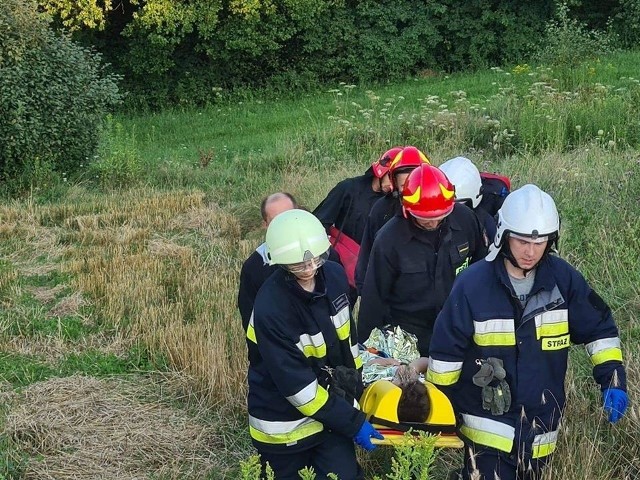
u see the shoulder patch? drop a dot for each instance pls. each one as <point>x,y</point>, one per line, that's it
<point>463,249</point>
<point>341,302</point>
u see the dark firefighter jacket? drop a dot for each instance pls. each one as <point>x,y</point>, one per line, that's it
<point>295,334</point>
<point>347,206</point>
<point>382,211</point>
<point>482,318</point>
<point>255,270</point>
<point>488,222</point>
<point>411,272</point>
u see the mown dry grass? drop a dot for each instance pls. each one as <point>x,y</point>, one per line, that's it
<point>81,427</point>
<point>56,348</point>
<point>161,269</point>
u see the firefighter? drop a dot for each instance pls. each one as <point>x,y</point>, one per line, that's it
<point>400,162</point>
<point>301,413</point>
<point>347,205</point>
<point>256,269</point>
<point>465,176</point>
<point>501,343</point>
<point>416,256</point>
<point>344,212</point>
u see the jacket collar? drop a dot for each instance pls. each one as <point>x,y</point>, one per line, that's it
<point>545,279</point>
<point>262,251</point>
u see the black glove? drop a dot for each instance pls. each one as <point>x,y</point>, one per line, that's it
<point>345,382</point>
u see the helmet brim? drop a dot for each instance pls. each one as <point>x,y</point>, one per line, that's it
<point>433,214</point>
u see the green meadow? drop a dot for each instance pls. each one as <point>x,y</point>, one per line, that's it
<point>121,349</point>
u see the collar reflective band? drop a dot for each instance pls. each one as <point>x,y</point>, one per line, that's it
<point>529,239</point>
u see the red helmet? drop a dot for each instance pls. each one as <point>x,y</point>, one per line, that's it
<point>408,158</point>
<point>381,166</point>
<point>428,193</point>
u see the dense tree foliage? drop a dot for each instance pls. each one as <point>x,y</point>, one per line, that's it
<point>191,51</point>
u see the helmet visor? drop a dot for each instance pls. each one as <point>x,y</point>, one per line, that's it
<point>529,238</point>
<point>308,265</point>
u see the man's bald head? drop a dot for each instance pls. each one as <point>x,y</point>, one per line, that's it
<point>276,203</point>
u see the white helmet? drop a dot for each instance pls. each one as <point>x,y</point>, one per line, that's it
<point>529,212</point>
<point>465,176</point>
<point>295,236</point>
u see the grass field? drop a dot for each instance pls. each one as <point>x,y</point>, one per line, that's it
<point>121,349</point>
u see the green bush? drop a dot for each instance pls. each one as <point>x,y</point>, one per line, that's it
<point>53,96</point>
<point>568,43</point>
<point>185,52</point>
<point>118,162</point>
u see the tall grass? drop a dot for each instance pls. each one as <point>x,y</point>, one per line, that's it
<point>158,263</point>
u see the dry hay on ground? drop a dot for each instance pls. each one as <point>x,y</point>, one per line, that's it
<point>54,348</point>
<point>211,221</point>
<point>82,427</point>
<point>46,294</point>
<point>69,305</point>
<point>6,393</point>
<point>162,247</point>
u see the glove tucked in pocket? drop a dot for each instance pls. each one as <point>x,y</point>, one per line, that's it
<point>497,399</point>
<point>496,394</point>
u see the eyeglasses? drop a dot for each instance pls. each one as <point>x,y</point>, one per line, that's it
<point>313,264</point>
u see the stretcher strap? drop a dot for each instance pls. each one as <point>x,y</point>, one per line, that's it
<point>406,426</point>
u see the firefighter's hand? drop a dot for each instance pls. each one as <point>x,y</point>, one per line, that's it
<point>615,403</point>
<point>364,435</point>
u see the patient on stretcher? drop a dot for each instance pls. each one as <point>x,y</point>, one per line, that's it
<point>393,355</point>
